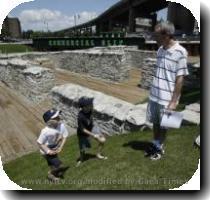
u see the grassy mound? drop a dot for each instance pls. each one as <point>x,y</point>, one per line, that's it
<point>125,169</point>
<point>14,48</point>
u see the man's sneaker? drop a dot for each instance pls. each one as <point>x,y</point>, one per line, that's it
<point>151,150</point>
<point>156,156</point>
<point>162,150</point>
<point>99,156</point>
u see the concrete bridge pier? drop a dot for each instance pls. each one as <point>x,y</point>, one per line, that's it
<point>131,19</point>
<point>182,17</point>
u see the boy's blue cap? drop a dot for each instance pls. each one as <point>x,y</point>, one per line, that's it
<point>85,101</point>
<point>51,114</point>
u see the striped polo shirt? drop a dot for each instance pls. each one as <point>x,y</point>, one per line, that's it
<point>171,63</point>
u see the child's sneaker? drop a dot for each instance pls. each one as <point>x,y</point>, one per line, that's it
<point>58,172</point>
<point>99,156</point>
<point>62,171</point>
<point>53,178</point>
<point>78,163</point>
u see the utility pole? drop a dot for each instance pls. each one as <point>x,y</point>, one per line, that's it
<point>75,23</point>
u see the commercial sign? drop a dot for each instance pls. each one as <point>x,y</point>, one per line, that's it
<point>82,43</point>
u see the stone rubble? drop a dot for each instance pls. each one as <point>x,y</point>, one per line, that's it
<point>192,114</point>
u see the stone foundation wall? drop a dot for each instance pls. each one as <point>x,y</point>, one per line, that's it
<point>32,81</point>
<point>192,114</point>
<point>113,63</point>
<point>111,66</point>
<point>134,57</point>
<point>137,57</point>
<point>112,115</point>
<point>148,71</point>
<point>108,63</point>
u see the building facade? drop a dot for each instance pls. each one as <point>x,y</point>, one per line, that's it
<point>11,28</point>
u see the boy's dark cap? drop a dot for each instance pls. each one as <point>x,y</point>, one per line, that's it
<point>85,101</point>
<point>51,114</point>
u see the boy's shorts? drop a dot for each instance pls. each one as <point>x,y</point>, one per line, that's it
<point>84,141</point>
<point>53,160</point>
<point>154,112</point>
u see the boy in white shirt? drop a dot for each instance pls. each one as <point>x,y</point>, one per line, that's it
<point>51,141</point>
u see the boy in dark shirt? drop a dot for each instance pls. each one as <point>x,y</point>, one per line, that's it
<point>86,129</point>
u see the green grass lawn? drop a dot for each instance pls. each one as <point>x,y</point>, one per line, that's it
<point>125,169</point>
<point>14,48</point>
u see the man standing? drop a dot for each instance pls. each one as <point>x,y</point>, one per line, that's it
<point>167,82</point>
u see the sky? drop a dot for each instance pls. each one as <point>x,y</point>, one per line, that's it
<point>44,15</point>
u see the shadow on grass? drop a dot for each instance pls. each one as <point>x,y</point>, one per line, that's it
<point>189,96</point>
<point>88,156</point>
<point>139,145</point>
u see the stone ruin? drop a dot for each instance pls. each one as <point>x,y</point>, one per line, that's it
<point>24,71</point>
<point>113,64</point>
<point>192,113</point>
<point>148,71</point>
<point>25,74</point>
<point>113,116</point>
<point>110,63</point>
<point>32,81</point>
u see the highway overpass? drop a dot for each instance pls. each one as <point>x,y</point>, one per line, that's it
<point>122,16</point>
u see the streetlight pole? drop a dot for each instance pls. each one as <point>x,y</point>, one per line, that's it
<point>75,23</point>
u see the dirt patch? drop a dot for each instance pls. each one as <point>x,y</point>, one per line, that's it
<point>4,103</point>
<point>20,124</point>
<point>127,90</point>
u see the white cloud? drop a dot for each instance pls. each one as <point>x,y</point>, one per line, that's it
<point>44,19</point>
<point>85,16</point>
